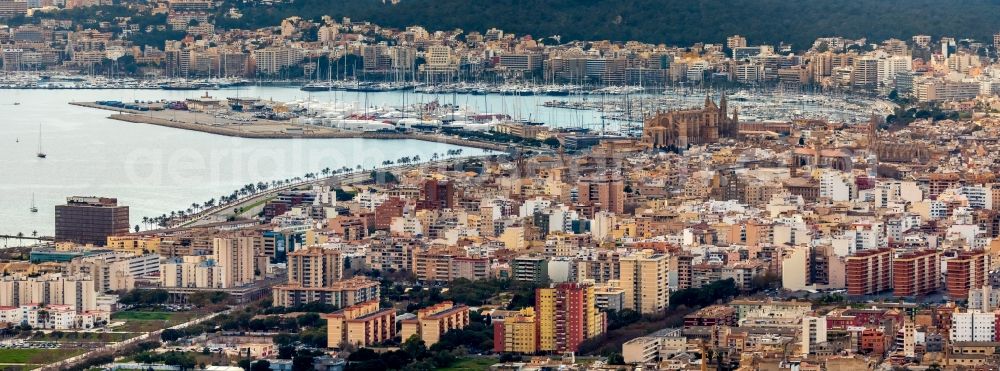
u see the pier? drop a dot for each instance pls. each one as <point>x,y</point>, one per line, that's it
<point>272,129</point>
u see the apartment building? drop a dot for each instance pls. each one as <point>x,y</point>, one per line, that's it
<point>77,291</point>
<point>315,266</point>
<point>361,325</point>
<point>341,293</point>
<point>272,60</point>
<point>916,273</point>
<point>644,277</point>
<point>567,315</point>
<point>192,271</point>
<point>965,271</point>
<point>516,333</point>
<point>441,266</point>
<point>235,258</point>
<point>434,321</point>
<point>869,271</point>
<point>564,315</point>
<point>606,192</point>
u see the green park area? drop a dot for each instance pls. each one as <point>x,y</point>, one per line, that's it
<point>36,356</point>
<point>471,364</point>
<point>143,315</point>
<point>146,321</point>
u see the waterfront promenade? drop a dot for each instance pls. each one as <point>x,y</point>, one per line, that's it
<point>252,203</point>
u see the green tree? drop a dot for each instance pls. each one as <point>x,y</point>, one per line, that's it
<point>261,365</point>
<point>171,335</point>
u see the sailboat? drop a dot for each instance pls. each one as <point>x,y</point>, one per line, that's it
<point>34,208</point>
<point>40,153</point>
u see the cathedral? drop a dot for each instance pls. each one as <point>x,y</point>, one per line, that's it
<point>684,128</point>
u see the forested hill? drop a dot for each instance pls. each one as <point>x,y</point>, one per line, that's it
<point>677,22</point>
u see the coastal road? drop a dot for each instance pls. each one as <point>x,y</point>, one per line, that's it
<point>222,212</point>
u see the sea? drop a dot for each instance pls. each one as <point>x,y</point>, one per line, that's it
<point>155,170</point>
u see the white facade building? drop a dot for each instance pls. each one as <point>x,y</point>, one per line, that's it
<point>973,325</point>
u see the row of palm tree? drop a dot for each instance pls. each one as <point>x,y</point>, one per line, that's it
<point>403,160</point>
<point>252,189</point>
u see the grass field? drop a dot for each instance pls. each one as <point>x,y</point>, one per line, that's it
<point>146,321</point>
<point>471,364</point>
<point>140,315</point>
<point>36,356</point>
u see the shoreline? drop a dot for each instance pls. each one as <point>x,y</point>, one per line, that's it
<point>308,132</point>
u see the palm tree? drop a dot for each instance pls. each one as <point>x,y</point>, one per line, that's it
<point>34,233</point>
<point>326,171</point>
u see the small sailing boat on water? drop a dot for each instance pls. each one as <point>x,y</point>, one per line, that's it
<point>40,153</point>
<point>34,208</point>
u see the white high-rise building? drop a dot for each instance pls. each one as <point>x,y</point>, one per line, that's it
<point>190,271</point>
<point>532,206</point>
<point>77,291</point>
<point>561,219</point>
<point>837,186</point>
<point>273,59</point>
<point>600,227</point>
<point>973,325</point>
<point>979,197</point>
<point>861,236</point>
<point>865,72</point>
<point>889,67</point>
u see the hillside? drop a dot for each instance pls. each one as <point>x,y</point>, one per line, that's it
<point>678,22</point>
